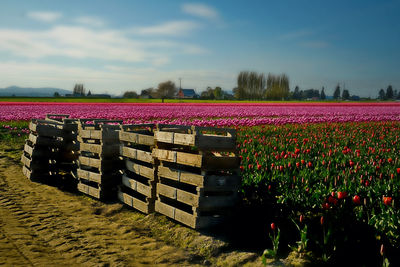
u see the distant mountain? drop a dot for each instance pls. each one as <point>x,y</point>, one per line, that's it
<point>38,92</point>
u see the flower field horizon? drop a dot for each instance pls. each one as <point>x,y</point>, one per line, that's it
<point>206,114</point>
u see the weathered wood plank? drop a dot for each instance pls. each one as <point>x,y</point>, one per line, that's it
<point>136,138</point>
<point>191,220</point>
<point>198,200</point>
<point>206,162</point>
<point>136,154</point>
<point>146,190</point>
<point>136,203</point>
<point>140,169</point>
<point>89,190</point>
<point>209,182</point>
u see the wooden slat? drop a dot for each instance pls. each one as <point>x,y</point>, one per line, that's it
<point>196,200</point>
<point>191,220</point>
<point>205,162</point>
<point>140,169</point>
<point>101,164</point>
<point>101,149</point>
<point>136,154</point>
<point>136,138</point>
<point>136,203</point>
<point>141,188</point>
<point>89,190</point>
<point>209,182</point>
<point>90,176</point>
<point>44,141</point>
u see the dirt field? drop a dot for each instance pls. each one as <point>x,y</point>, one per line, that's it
<point>41,225</point>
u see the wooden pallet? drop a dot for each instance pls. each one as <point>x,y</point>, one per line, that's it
<point>203,138</point>
<point>45,141</point>
<point>147,190</point>
<point>39,152</point>
<point>98,177</point>
<point>102,134</point>
<point>139,134</point>
<point>207,161</point>
<point>208,181</point>
<point>90,190</point>
<point>46,128</point>
<point>198,199</point>
<point>100,164</point>
<point>143,206</point>
<point>38,174</point>
<point>192,220</point>
<point>139,169</point>
<point>34,164</point>
<point>136,154</point>
<point>100,149</point>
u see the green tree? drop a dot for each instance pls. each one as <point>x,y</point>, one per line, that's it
<point>323,96</point>
<point>277,87</point>
<point>296,93</point>
<point>389,92</point>
<point>218,94</point>
<point>382,95</point>
<point>346,94</point>
<point>89,93</point>
<point>130,94</point>
<point>79,90</point>
<point>166,90</point>
<point>336,94</point>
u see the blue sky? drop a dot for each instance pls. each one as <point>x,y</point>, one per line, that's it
<point>115,46</point>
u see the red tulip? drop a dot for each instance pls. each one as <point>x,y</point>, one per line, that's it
<point>322,220</point>
<point>387,200</point>
<point>301,218</point>
<point>325,206</point>
<point>356,200</point>
<point>309,164</point>
<point>398,170</point>
<point>382,250</point>
<point>273,226</point>
<point>342,195</point>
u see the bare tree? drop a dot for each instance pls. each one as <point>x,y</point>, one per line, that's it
<point>79,90</point>
<point>166,90</point>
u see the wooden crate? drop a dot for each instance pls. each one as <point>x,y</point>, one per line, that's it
<point>202,138</point>
<point>39,174</point>
<point>205,161</point>
<point>46,128</point>
<point>199,199</point>
<point>136,154</point>
<point>207,180</point>
<point>143,206</point>
<point>137,134</point>
<point>192,219</point>
<point>45,141</point>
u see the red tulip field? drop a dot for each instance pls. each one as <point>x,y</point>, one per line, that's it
<point>321,181</point>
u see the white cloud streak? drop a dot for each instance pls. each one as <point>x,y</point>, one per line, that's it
<point>171,28</point>
<point>81,43</point>
<point>200,10</point>
<point>90,21</point>
<point>44,16</point>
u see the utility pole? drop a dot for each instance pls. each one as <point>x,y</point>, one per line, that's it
<point>180,83</point>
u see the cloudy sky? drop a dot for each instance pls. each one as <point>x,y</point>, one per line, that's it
<point>114,46</point>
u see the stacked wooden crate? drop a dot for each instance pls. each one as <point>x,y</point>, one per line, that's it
<point>67,156</point>
<point>198,174</point>
<point>139,175</point>
<point>98,163</point>
<point>42,149</point>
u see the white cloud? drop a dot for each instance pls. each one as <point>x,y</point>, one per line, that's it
<point>90,21</point>
<point>44,16</point>
<point>171,28</point>
<point>200,10</point>
<point>81,43</point>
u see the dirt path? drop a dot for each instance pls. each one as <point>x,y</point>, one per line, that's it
<point>43,226</point>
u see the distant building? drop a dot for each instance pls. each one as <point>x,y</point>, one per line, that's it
<point>355,98</point>
<point>186,93</point>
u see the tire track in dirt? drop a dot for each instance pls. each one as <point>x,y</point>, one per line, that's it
<point>41,225</point>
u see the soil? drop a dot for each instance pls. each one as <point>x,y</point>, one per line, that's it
<point>41,225</point>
